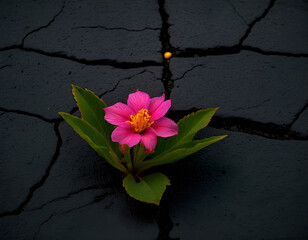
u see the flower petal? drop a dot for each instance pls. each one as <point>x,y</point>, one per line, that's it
<point>161,110</point>
<point>155,102</point>
<point>124,135</point>
<point>118,113</point>
<point>138,100</point>
<point>165,127</point>
<point>149,140</point>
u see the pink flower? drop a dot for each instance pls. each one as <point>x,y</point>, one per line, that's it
<point>141,120</point>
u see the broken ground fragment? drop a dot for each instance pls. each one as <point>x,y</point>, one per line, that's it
<point>126,32</point>
<point>18,18</point>
<point>247,85</point>
<point>40,84</point>
<point>283,30</point>
<point>26,153</point>
<point>248,187</point>
<point>209,24</point>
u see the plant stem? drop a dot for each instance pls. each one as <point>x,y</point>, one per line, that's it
<point>128,159</point>
<point>140,155</point>
<point>136,150</point>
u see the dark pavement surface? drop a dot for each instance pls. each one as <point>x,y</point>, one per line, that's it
<point>250,58</point>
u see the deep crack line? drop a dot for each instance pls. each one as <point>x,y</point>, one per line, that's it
<point>166,46</point>
<point>267,130</point>
<point>21,112</point>
<point>98,62</point>
<point>164,220</point>
<point>167,79</point>
<point>116,28</point>
<point>201,52</point>
<point>258,19</point>
<point>164,31</point>
<point>37,185</point>
<point>252,127</point>
<point>231,50</point>
<point>273,53</point>
<point>45,26</point>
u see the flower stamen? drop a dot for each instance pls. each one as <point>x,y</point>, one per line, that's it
<point>141,121</point>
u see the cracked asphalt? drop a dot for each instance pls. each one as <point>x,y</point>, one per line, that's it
<point>250,58</point>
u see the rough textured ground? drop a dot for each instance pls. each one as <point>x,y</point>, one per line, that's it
<point>250,58</point>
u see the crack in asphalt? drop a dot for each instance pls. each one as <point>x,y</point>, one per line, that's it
<point>200,52</point>
<point>5,66</point>
<point>41,225</point>
<point>194,52</point>
<point>164,31</point>
<point>116,28</point>
<point>237,12</point>
<point>273,53</point>
<point>226,50</point>
<point>29,114</point>
<point>187,71</point>
<point>164,220</point>
<point>258,19</point>
<point>253,106</point>
<point>235,49</point>
<point>248,126</point>
<point>125,79</point>
<point>95,200</point>
<point>37,185</point>
<point>93,187</point>
<point>267,130</point>
<point>42,27</point>
<point>40,183</point>
<point>296,117</point>
<point>97,62</point>
<point>75,109</point>
<point>57,121</point>
<point>167,79</point>
<point>166,47</point>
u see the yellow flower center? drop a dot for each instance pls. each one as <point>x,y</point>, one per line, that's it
<point>140,121</point>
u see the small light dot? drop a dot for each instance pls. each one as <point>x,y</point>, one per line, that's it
<point>167,55</point>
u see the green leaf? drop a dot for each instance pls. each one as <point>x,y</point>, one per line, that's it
<point>91,109</point>
<point>149,189</point>
<point>169,150</point>
<point>94,138</point>
<point>188,127</point>
<point>179,153</point>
